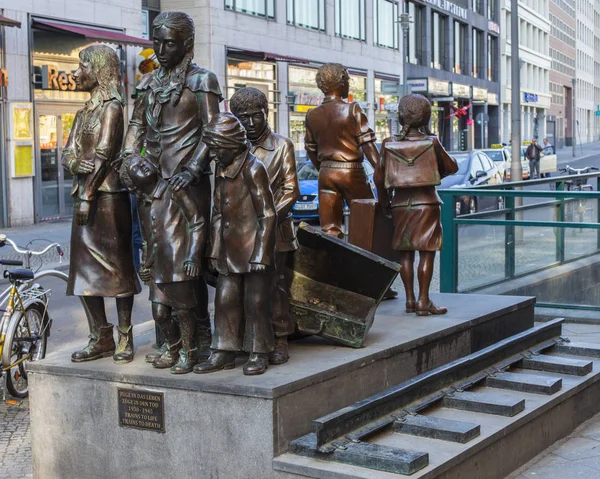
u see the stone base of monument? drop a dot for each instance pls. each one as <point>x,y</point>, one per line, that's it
<point>101,420</point>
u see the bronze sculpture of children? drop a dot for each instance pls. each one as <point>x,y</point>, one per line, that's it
<point>101,243</point>
<point>170,262</point>
<point>412,165</point>
<point>242,249</point>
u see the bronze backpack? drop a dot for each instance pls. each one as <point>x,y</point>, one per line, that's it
<point>409,164</point>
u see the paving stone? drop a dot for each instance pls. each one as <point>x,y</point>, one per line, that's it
<point>578,448</point>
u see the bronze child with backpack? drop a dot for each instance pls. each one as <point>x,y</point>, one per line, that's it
<point>412,165</point>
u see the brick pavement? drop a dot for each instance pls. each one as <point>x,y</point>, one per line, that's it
<point>15,441</point>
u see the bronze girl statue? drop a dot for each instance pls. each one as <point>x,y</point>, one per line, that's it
<point>101,244</point>
<point>412,165</point>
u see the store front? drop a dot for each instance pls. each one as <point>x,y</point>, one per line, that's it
<point>460,115</point>
<point>438,93</point>
<point>387,91</point>
<point>244,71</point>
<point>56,50</point>
<point>481,117</point>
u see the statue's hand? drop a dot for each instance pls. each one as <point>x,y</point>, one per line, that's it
<point>144,274</point>
<point>191,268</point>
<point>387,209</point>
<point>84,167</point>
<point>181,180</point>
<point>82,215</point>
<point>258,268</point>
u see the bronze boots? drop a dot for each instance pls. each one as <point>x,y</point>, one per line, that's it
<point>124,352</point>
<point>169,358</point>
<point>101,345</point>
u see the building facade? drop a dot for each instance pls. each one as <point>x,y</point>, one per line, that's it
<point>277,46</point>
<point>453,57</point>
<point>39,103</point>
<point>563,52</point>
<point>535,64</point>
<point>585,90</point>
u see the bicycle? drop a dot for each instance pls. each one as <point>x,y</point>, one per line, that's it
<point>577,208</point>
<point>25,323</point>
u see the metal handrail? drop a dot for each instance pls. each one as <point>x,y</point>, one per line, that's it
<point>510,218</point>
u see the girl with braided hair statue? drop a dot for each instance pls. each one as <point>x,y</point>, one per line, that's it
<point>412,165</point>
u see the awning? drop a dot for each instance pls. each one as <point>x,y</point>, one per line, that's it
<point>94,34</point>
<point>266,56</point>
<point>7,22</point>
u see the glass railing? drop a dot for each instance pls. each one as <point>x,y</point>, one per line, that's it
<point>543,242</point>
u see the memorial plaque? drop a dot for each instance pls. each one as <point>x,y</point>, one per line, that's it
<point>141,409</point>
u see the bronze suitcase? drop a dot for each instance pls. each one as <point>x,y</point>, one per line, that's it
<point>336,287</point>
<point>370,229</point>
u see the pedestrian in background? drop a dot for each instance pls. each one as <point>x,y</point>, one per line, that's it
<point>533,155</point>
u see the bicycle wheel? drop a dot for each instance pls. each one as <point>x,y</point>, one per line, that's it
<point>26,336</point>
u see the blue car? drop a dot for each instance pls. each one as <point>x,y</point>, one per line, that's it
<point>307,206</point>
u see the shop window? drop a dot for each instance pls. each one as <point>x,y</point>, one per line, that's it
<point>386,107</point>
<point>350,19</point>
<point>438,44</point>
<point>303,95</point>
<point>306,13</point>
<point>259,8</point>
<point>259,75</point>
<point>460,32</point>
<point>386,23</point>
<point>414,37</point>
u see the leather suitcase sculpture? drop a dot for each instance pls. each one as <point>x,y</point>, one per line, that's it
<point>336,287</point>
<point>370,229</point>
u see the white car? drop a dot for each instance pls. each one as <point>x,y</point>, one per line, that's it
<point>502,159</point>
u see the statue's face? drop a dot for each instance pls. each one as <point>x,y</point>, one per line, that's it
<point>254,121</point>
<point>224,156</point>
<point>170,47</point>
<point>142,173</point>
<point>84,77</point>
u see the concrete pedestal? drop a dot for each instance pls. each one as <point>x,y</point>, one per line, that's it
<point>226,425</point>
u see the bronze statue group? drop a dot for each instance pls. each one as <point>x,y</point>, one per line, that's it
<point>174,136</point>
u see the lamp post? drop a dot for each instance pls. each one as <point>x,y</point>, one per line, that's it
<point>405,21</point>
<point>516,171</point>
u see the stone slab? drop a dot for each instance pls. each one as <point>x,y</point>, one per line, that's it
<point>255,416</point>
<point>529,383</point>
<point>487,403</point>
<point>375,457</point>
<point>558,364</point>
<point>438,428</point>
<point>590,350</point>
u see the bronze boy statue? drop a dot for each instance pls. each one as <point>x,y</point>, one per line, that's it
<point>276,152</point>
<point>101,244</point>
<point>173,106</point>
<point>412,165</point>
<point>169,263</point>
<point>338,136</point>
<point>242,249</point>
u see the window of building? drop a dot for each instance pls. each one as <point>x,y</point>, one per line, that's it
<point>386,23</point>
<point>414,43</point>
<point>303,95</point>
<point>438,45</point>
<point>477,53</point>
<point>387,89</point>
<point>306,13</point>
<point>350,19</point>
<point>491,10</point>
<point>260,8</point>
<point>492,58</point>
<point>460,32</point>
<point>242,73</point>
<point>477,6</point>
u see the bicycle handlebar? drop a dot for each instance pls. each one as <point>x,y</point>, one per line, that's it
<point>11,262</point>
<point>4,239</point>
<point>577,171</point>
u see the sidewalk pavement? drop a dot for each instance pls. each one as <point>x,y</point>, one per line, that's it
<point>565,154</point>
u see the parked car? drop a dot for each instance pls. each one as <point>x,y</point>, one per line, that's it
<point>502,159</point>
<point>474,169</point>
<point>307,206</point>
